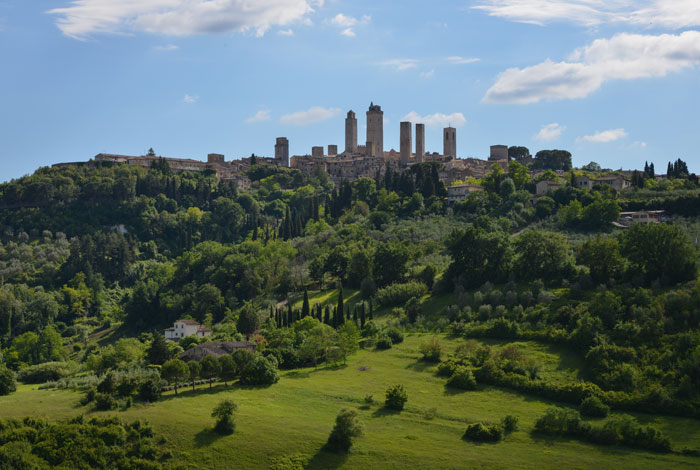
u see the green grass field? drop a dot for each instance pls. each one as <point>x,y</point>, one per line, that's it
<point>285,426</point>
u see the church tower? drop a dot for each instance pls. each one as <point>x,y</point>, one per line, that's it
<point>375,130</point>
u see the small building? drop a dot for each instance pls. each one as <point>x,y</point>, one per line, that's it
<point>642,217</point>
<point>216,349</point>
<point>543,187</point>
<point>584,182</point>
<point>615,182</point>
<point>459,192</point>
<point>184,328</point>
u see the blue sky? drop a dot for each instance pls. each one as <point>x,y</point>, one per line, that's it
<point>612,81</point>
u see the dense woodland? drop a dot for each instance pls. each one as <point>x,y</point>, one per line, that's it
<point>95,262</point>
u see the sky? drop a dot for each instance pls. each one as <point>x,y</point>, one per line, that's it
<point>612,81</point>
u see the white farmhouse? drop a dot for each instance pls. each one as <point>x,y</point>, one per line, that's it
<point>184,328</point>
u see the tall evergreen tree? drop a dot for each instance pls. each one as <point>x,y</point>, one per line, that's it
<point>340,307</point>
<point>371,311</point>
<point>362,315</point>
<point>327,315</point>
<point>158,352</point>
<point>305,308</point>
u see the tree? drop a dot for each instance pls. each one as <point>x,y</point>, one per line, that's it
<point>151,153</point>
<point>518,153</point>
<point>389,263</point>
<point>248,319</point>
<point>478,256</point>
<point>260,371</point>
<point>227,368</point>
<point>209,369</point>
<point>519,174</point>
<point>338,317</point>
<point>318,344</point>
<point>348,339</point>
<point>659,251</point>
<point>158,351</point>
<point>195,370</point>
<point>592,167</point>
<point>174,371</point>
<point>603,258</point>
<point>347,426</point>
<point>552,160</point>
<point>543,255</point>
<point>305,308</point>
<point>225,422</point>
<point>396,397</point>
<point>8,383</point>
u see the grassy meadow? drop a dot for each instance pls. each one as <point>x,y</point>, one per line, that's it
<point>285,426</point>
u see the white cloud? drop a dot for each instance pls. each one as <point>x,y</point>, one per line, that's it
<point>550,132</point>
<point>676,14</point>
<point>622,57</point>
<point>190,99</point>
<point>437,119</point>
<point>604,136</point>
<point>286,32</point>
<point>455,59</point>
<point>84,18</point>
<point>428,74</point>
<point>310,116</point>
<point>166,48</point>
<point>639,144</point>
<point>347,23</point>
<point>400,64</point>
<point>260,116</point>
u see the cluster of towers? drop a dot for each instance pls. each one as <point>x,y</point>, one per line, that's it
<point>375,138</point>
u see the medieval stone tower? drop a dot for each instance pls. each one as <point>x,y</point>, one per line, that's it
<point>351,132</point>
<point>449,142</point>
<point>282,151</point>
<point>406,143</point>
<point>375,130</point>
<point>420,143</point>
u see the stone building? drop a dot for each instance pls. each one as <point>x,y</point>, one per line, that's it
<point>449,142</point>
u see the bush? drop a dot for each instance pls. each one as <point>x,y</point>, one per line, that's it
<point>225,422</point>
<point>463,379</point>
<point>149,391</point>
<point>483,432</point>
<point>89,396</point>
<point>396,398</point>
<point>104,402</point>
<point>395,335</point>
<point>397,294</point>
<point>447,368</point>
<point>510,424</point>
<point>8,383</point>
<point>431,350</point>
<point>347,426</point>
<point>593,407</point>
<point>261,371</point>
<point>48,371</point>
<point>383,342</point>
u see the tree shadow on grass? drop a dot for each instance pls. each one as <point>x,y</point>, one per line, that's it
<point>384,411</point>
<point>421,365</point>
<point>206,437</point>
<point>306,373</point>
<point>325,460</point>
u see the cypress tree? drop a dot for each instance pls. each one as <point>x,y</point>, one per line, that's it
<point>362,316</point>
<point>290,314</point>
<point>371,311</point>
<point>305,309</point>
<point>327,316</point>
<point>339,310</point>
<point>354,315</point>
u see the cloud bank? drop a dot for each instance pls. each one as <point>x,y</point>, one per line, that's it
<point>310,116</point>
<point>603,137</point>
<point>622,57</point>
<point>437,119</point>
<point>550,132</point>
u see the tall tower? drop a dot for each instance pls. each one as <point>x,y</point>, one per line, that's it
<point>449,142</point>
<point>420,143</point>
<point>375,129</point>
<point>282,151</point>
<point>406,143</point>
<point>351,132</point>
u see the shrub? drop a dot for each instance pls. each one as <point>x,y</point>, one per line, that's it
<point>225,422</point>
<point>261,371</point>
<point>447,368</point>
<point>104,402</point>
<point>347,427</point>
<point>395,335</point>
<point>48,371</point>
<point>463,379</point>
<point>149,391</point>
<point>559,421</point>
<point>8,383</point>
<point>397,294</point>
<point>483,432</point>
<point>594,407</point>
<point>396,398</point>
<point>89,396</point>
<point>108,384</point>
<point>431,350</point>
<point>510,424</point>
<point>383,342</point>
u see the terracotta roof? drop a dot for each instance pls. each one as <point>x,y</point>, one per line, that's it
<point>188,322</point>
